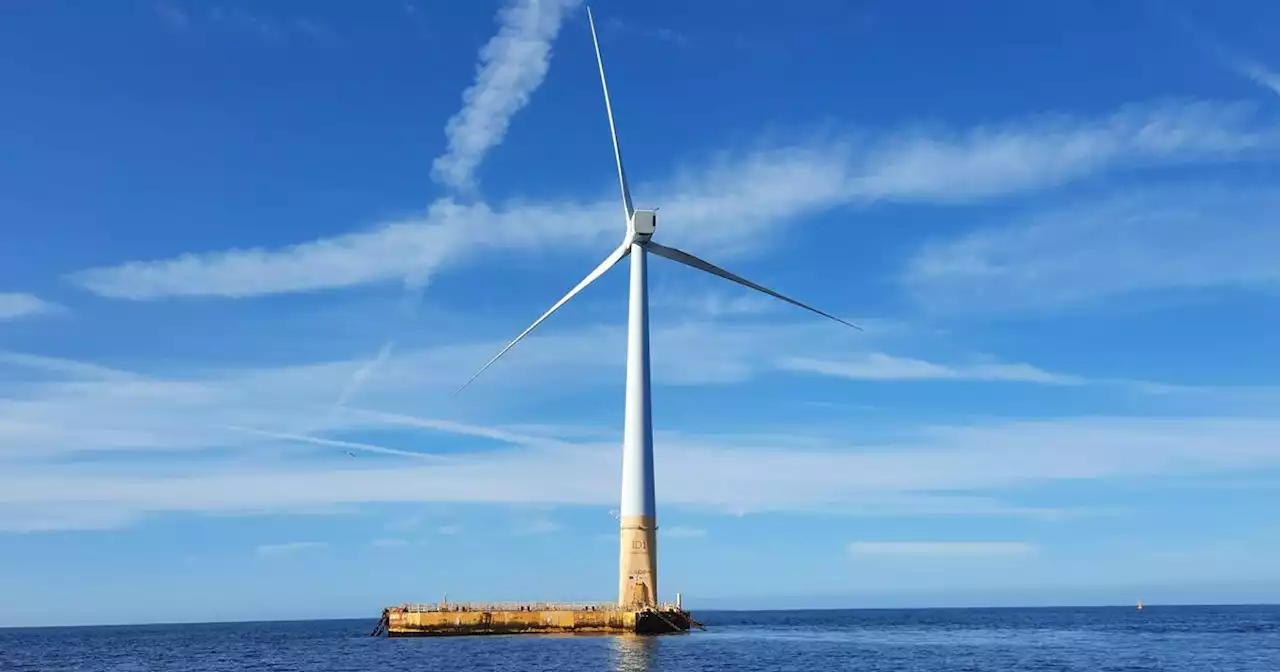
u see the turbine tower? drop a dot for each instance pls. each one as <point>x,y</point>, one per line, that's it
<point>638,557</point>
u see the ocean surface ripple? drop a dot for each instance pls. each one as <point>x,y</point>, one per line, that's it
<point>1169,639</point>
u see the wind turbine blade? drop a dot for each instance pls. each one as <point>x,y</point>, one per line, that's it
<point>605,265</point>
<point>617,151</point>
<point>694,262</point>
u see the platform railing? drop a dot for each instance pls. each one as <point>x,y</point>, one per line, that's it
<point>425,607</point>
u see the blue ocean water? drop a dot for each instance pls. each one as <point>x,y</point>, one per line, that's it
<point>1176,639</point>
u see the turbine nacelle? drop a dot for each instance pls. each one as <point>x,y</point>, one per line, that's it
<point>641,226</point>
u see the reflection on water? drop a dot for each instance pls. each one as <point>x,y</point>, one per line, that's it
<point>632,653</point>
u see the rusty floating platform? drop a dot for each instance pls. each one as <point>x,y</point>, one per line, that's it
<point>446,619</point>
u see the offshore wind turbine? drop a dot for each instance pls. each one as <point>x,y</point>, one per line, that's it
<point>638,558</point>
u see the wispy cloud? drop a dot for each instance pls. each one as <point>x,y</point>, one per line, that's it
<point>1262,75</point>
<point>289,548</point>
<point>384,353</point>
<point>936,470</point>
<point>710,304</point>
<point>389,543</point>
<point>314,30</point>
<point>732,202</point>
<point>539,525</point>
<point>416,16</point>
<point>334,443</point>
<point>662,34</point>
<point>84,407</point>
<point>450,529</point>
<point>1232,59</point>
<point>879,366</point>
<point>187,18</point>
<point>60,407</point>
<point>173,16</point>
<point>946,549</point>
<point>512,65</point>
<point>59,367</point>
<point>253,23</point>
<point>14,305</point>
<point>1164,238</point>
<point>36,519</point>
<point>1056,149</point>
<point>682,532</point>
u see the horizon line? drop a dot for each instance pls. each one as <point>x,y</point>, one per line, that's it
<point>1046,607</point>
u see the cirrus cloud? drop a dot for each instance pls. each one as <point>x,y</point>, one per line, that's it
<point>947,549</point>
<point>733,201</point>
<point>1154,239</point>
<point>14,305</point>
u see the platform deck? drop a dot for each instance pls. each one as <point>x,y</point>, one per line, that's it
<point>430,620</point>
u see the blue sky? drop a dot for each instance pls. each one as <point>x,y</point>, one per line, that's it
<point>242,239</point>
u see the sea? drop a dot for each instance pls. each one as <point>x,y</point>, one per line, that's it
<point>1174,639</point>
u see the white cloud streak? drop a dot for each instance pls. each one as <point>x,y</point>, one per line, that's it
<point>944,549</point>
<point>539,526</point>
<point>730,203</point>
<point>15,305</point>
<point>54,518</point>
<point>934,471</point>
<point>711,304</point>
<point>83,408</point>
<point>1053,150</point>
<point>879,366</point>
<point>512,66</point>
<point>1170,238</point>
<point>409,249</point>
<point>334,443</point>
<point>1260,74</point>
<point>173,16</point>
<point>64,367</point>
<point>78,447</point>
<point>289,548</point>
<point>632,30</point>
<point>682,532</point>
<point>358,378</point>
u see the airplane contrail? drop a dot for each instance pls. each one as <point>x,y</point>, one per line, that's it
<point>336,443</point>
<point>358,378</point>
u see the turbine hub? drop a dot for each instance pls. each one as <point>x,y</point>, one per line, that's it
<point>642,225</point>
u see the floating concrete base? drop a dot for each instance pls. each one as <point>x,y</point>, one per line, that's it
<point>514,619</point>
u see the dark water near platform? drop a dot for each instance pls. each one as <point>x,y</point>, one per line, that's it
<point>1177,639</point>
